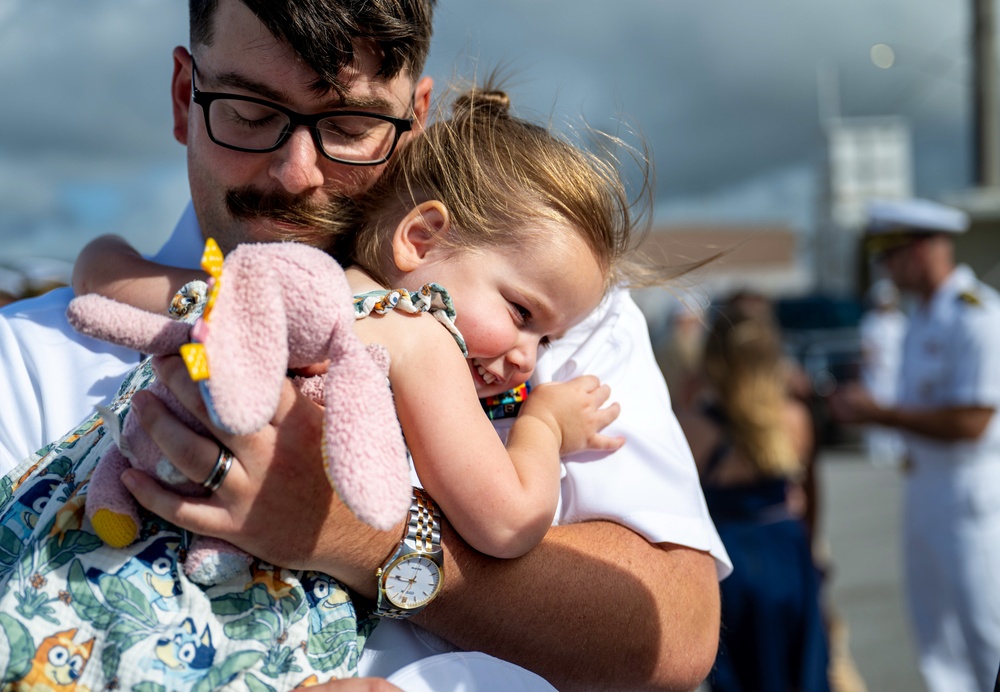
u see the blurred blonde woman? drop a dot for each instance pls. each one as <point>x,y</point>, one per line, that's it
<point>752,441</point>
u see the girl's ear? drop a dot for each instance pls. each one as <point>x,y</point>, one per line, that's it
<point>417,235</point>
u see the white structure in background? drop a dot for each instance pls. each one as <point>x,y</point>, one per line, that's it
<point>867,158</point>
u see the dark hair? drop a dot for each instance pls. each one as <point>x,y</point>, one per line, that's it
<point>324,32</point>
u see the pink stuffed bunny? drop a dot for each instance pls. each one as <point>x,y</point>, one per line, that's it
<point>272,307</point>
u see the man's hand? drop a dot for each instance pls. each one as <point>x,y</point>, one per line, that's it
<point>276,502</point>
<point>852,403</point>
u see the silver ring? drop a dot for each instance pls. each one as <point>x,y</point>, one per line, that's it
<point>218,474</point>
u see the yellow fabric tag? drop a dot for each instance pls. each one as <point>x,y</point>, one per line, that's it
<point>211,263</point>
<point>211,258</point>
<point>196,361</point>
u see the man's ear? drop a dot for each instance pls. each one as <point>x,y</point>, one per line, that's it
<point>180,92</point>
<point>418,234</point>
<point>422,101</point>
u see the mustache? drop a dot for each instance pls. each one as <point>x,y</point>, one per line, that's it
<point>249,203</point>
<point>329,226</point>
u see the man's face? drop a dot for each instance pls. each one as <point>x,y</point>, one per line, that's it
<point>902,265</point>
<point>245,59</point>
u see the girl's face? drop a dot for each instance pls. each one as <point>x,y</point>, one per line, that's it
<point>510,299</point>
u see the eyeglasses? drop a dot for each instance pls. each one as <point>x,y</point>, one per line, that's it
<point>245,123</point>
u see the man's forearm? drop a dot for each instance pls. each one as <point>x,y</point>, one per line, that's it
<point>594,606</point>
<point>956,423</point>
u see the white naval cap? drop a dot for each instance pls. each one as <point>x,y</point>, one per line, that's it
<point>914,216</point>
<point>893,223</point>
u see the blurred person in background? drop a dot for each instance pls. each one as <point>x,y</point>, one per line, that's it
<point>882,328</point>
<point>752,442</point>
<point>949,390</point>
<point>679,356</point>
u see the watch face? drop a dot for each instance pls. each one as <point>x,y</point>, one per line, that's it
<point>412,582</point>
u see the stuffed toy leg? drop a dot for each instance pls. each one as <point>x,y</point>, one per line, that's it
<point>271,307</point>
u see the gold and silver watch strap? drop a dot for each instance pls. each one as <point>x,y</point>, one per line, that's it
<point>422,538</point>
<point>423,531</point>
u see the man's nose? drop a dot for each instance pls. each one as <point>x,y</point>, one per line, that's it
<point>296,165</point>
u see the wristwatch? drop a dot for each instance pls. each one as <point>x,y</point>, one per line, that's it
<point>412,576</point>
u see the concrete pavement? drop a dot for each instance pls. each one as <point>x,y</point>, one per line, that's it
<point>860,520</point>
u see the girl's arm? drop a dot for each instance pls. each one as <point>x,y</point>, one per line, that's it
<point>500,500</point>
<point>112,268</point>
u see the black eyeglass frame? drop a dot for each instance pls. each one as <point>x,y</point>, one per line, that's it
<point>205,99</point>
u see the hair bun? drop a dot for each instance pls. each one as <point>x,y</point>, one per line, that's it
<point>484,102</point>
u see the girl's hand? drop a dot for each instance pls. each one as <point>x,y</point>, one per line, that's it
<point>573,411</point>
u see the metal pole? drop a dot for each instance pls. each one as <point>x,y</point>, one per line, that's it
<point>986,157</point>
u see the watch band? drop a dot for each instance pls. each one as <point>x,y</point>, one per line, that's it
<point>424,527</point>
<point>422,537</point>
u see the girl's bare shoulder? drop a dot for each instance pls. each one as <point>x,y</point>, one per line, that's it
<point>409,337</point>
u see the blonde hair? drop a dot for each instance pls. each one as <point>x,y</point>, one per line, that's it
<point>744,363</point>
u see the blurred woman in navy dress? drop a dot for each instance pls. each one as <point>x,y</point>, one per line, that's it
<point>752,441</point>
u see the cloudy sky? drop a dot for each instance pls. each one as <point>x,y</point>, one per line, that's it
<point>725,92</point>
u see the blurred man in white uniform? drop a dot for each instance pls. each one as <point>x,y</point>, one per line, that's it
<point>949,393</point>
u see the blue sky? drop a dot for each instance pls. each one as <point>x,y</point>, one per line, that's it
<point>725,92</point>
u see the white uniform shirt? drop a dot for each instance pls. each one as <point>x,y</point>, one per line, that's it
<point>951,357</point>
<point>54,377</point>
<point>882,333</point>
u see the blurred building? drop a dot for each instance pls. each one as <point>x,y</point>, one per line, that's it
<point>979,247</point>
<point>765,258</point>
<point>867,158</point>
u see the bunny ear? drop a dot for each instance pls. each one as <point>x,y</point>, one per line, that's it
<point>364,451</point>
<point>246,344</point>
<point>125,325</point>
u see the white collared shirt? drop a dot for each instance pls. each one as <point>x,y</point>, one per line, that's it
<point>52,377</point>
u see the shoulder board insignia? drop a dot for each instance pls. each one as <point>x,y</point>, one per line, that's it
<point>969,298</point>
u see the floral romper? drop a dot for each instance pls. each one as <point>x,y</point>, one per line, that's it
<point>78,614</point>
